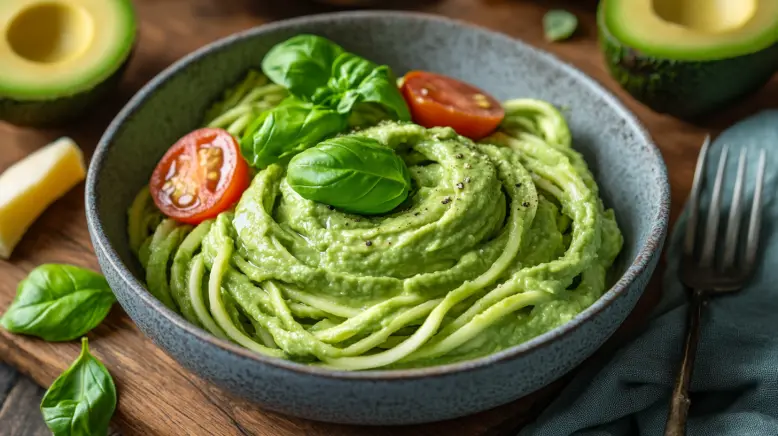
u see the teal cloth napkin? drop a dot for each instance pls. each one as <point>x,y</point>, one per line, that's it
<point>735,384</point>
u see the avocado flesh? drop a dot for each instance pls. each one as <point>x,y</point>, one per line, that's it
<point>59,58</point>
<point>692,69</point>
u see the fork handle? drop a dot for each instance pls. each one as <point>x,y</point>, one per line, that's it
<point>680,402</point>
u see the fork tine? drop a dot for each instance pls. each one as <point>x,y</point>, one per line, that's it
<point>694,199</point>
<point>712,223</point>
<point>735,215</point>
<point>756,214</point>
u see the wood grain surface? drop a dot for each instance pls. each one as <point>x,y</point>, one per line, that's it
<point>19,399</point>
<point>158,397</point>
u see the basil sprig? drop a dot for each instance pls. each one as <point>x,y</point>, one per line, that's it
<point>325,80</point>
<point>353,173</point>
<point>290,128</point>
<point>59,303</point>
<point>357,80</point>
<point>82,399</point>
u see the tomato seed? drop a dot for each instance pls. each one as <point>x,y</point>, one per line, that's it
<point>185,200</point>
<point>481,101</point>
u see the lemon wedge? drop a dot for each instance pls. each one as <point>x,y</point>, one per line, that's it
<point>29,186</point>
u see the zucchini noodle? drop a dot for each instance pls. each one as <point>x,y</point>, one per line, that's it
<point>499,241</point>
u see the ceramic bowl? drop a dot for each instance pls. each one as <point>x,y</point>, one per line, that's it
<point>628,168</point>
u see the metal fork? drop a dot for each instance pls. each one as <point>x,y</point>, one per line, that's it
<point>702,274</point>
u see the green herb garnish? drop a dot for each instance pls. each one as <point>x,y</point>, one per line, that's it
<point>357,80</point>
<point>302,64</point>
<point>82,399</point>
<point>353,173</point>
<point>290,128</point>
<point>559,25</point>
<point>324,80</point>
<point>59,303</point>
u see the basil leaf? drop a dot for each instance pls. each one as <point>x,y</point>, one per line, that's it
<point>82,399</point>
<point>559,24</point>
<point>360,80</point>
<point>318,70</point>
<point>302,63</point>
<point>353,173</point>
<point>288,129</point>
<point>59,303</point>
<point>327,84</point>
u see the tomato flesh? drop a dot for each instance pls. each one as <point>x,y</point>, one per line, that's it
<point>438,100</point>
<point>200,176</point>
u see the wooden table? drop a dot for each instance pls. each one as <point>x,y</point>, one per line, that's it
<point>157,397</point>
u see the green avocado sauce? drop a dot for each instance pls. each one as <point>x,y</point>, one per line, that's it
<point>499,242</point>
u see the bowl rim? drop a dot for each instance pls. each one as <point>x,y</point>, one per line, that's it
<point>641,262</point>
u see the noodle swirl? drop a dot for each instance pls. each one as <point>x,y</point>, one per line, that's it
<point>499,241</point>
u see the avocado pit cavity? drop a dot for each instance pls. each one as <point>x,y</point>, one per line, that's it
<point>705,15</point>
<point>50,32</point>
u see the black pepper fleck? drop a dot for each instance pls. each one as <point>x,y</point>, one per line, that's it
<point>417,214</point>
<point>460,185</point>
<point>468,166</point>
<point>446,200</point>
<point>525,204</point>
<point>467,179</point>
<point>368,243</point>
<point>518,185</point>
<point>459,156</point>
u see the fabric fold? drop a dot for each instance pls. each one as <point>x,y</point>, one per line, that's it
<point>735,384</point>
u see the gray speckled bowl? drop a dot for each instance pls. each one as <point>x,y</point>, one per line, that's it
<point>627,165</point>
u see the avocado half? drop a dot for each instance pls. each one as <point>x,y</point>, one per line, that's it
<point>59,57</point>
<point>689,57</point>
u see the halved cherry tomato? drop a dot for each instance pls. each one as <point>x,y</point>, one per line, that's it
<point>200,176</point>
<point>438,100</point>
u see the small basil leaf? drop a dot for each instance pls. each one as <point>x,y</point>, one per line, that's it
<point>287,130</point>
<point>347,101</point>
<point>349,70</point>
<point>559,24</point>
<point>353,173</point>
<point>325,96</point>
<point>59,303</point>
<point>82,399</point>
<point>302,63</point>
<point>360,80</point>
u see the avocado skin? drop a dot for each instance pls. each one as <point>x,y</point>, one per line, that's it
<point>685,89</point>
<point>59,111</point>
